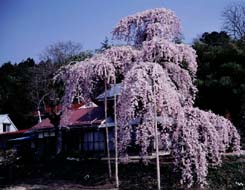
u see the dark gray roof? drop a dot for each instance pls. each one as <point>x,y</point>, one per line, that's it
<point>110,92</point>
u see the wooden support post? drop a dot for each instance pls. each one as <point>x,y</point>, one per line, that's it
<point>107,133</point>
<point>156,140</point>
<point>115,128</point>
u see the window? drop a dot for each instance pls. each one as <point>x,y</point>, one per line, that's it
<point>6,127</point>
<point>93,141</point>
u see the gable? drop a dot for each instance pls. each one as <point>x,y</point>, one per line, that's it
<point>6,125</point>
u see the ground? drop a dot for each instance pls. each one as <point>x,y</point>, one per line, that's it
<point>71,174</point>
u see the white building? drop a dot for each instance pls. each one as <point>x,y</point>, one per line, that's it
<point>6,125</point>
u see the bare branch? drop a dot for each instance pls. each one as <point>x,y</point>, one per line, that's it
<point>234,20</point>
<point>61,52</point>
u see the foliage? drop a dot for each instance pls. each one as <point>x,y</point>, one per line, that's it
<point>14,92</point>
<point>80,56</point>
<point>221,76</point>
<point>153,67</point>
<point>27,87</point>
<point>8,157</point>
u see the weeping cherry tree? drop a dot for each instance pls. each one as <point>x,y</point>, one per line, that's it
<point>157,79</point>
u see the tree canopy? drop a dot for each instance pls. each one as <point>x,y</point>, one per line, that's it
<point>221,75</point>
<point>14,96</point>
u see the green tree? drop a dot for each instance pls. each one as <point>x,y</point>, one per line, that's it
<point>14,92</point>
<point>104,46</point>
<point>221,75</point>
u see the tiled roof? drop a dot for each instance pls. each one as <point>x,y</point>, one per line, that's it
<point>82,117</point>
<point>94,115</point>
<point>44,124</point>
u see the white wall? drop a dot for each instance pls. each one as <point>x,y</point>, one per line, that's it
<point>6,119</point>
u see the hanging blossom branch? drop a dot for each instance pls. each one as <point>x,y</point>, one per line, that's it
<point>76,82</point>
<point>74,76</point>
<point>183,83</point>
<point>161,50</point>
<point>146,25</point>
<point>100,68</point>
<point>137,90</point>
<point>122,58</point>
<point>81,78</point>
<point>199,139</point>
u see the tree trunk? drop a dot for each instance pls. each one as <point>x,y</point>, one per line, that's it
<point>115,128</point>
<point>107,133</point>
<point>156,141</point>
<point>58,135</point>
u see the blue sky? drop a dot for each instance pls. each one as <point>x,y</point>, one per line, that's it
<point>28,26</point>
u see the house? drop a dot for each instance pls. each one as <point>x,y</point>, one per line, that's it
<point>6,125</point>
<point>85,131</point>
